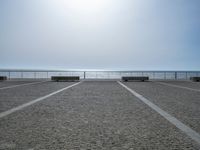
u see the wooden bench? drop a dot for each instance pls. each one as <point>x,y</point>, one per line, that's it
<point>3,78</point>
<point>135,78</point>
<point>65,78</point>
<point>195,79</point>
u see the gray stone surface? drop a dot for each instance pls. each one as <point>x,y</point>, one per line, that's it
<point>90,116</point>
<point>180,103</point>
<point>13,97</point>
<point>10,83</point>
<point>190,84</point>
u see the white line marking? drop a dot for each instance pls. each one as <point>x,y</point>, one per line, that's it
<point>13,86</point>
<point>187,130</point>
<point>8,112</point>
<point>178,86</point>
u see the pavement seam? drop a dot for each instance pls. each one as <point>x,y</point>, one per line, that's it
<point>184,128</point>
<point>13,86</point>
<point>178,86</point>
<point>10,111</point>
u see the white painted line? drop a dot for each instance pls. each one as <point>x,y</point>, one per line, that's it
<point>178,86</point>
<point>8,112</point>
<point>187,130</point>
<point>13,86</point>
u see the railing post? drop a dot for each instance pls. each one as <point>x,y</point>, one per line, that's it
<point>175,75</point>
<point>84,74</point>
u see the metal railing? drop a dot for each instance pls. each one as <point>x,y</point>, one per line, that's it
<point>46,74</point>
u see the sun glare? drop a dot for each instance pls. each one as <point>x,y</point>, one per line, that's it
<point>91,6</point>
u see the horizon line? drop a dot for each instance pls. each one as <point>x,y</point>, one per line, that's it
<point>90,70</point>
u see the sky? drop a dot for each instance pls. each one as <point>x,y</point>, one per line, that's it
<point>100,34</point>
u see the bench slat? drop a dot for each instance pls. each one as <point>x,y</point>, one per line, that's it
<point>65,78</point>
<point>135,78</point>
<point>195,79</point>
<point>3,78</point>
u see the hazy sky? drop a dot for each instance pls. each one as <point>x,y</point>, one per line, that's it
<point>100,34</point>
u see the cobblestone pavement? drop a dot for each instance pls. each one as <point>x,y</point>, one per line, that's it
<point>181,103</point>
<point>91,116</point>
<point>13,97</point>
<point>189,84</point>
<point>10,83</point>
